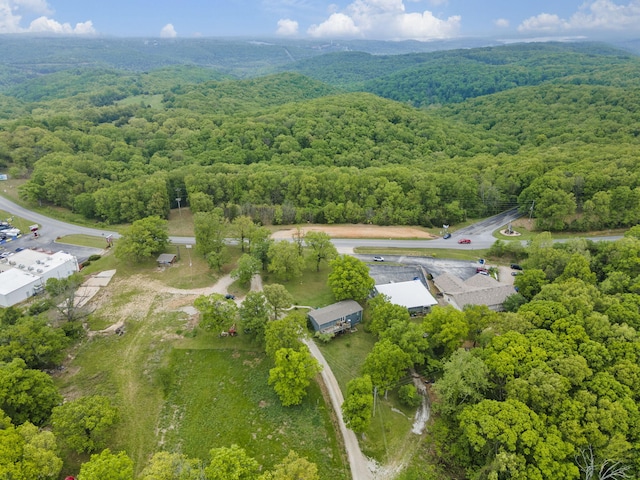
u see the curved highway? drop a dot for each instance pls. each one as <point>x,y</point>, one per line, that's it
<point>480,233</point>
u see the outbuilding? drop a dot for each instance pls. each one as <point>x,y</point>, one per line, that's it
<point>412,294</point>
<point>166,259</point>
<point>337,317</point>
<point>25,273</point>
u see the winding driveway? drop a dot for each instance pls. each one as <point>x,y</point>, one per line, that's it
<point>357,461</point>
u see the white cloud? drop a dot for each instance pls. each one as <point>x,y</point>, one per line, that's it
<point>592,15</point>
<point>12,11</point>
<point>287,27</point>
<point>502,23</point>
<point>385,19</point>
<point>9,21</point>
<point>168,31</point>
<point>35,6</point>
<point>338,25</point>
<point>84,28</point>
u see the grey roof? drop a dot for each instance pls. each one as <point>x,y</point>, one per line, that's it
<point>334,311</point>
<point>476,290</point>
<point>449,283</point>
<point>410,294</point>
<point>481,281</point>
<point>491,297</point>
<point>166,258</point>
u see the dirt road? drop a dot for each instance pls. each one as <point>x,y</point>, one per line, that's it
<point>357,461</point>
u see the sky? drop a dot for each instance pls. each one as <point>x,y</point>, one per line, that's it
<point>422,20</point>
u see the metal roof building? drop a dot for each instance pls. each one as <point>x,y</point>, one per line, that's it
<point>412,294</point>
<point>25,273</point>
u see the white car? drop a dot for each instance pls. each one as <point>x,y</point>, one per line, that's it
<point>378,258</point>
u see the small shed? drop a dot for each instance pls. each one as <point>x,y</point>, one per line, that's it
<point>413,295</point>
<point>337,317</point>
<point>166,259</point>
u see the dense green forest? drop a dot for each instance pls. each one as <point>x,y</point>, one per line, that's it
<point>560,134</point>
<point>550,389</point>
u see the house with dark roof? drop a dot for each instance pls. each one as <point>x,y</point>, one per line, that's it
<point>337,317</point>
<point>476,290</point>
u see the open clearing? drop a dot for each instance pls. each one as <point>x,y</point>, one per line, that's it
<point>182,389</point>
<point>358,231</point>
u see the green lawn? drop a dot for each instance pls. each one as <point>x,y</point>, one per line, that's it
<point>83,240</point>
<point>426,252</point>
<point>220,396</point>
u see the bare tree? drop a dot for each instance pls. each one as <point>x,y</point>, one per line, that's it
<point>608,470</point>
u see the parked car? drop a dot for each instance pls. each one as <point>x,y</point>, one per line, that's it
<point>228,296</point>
<point>446,236</point>
<point>464,240</point>
<point>378,258</point>
<point>515,266</point>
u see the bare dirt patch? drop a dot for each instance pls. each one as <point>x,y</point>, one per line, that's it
<point>359,231</point>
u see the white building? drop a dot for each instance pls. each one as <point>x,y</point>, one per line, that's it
<point>412,294</point>
<point>25,273</point>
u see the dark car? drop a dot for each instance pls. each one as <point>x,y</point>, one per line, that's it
<point>446,235</point>
<point>515,266</point>
<point>228,296</point>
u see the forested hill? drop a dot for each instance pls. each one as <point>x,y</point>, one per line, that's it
<point>114,145</point>
<point>452,76</point>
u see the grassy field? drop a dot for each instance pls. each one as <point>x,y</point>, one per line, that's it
<point>83,240</point>
<point>425,252</point>
<point>389,436</point>
<point>181,389</point>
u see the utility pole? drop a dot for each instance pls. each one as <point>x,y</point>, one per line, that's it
<point>178,200</point>
<point>375,395</point>
<point>531,209</point>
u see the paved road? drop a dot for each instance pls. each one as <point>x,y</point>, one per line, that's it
<point>480,233</point>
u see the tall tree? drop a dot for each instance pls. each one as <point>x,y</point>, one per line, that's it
<point>349,278</point>
<point>248,266</point>
<point>27,452</point>
<point>284,260</point>
<point>107,466</point>
<point>261,242</point>
<point>143,239</point>
<point>386,364</point>
<point>464,382</point>
<point>210,230</point>
<point>172,466</point>
<point>32,339</point>
<point>278,298</point>
<point>254,315</point>
<point>357,408</point>
<point>216,312</point>
<point>292,374</point>
<point>242,229</point>
<point>231,463</point>
<point>84,424</point>
<point>63,294</point>
<point>284,333</point>
<point>26,395</point>
<point>292,467</point>
<point>321,247</point>
<point>383,313</point>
